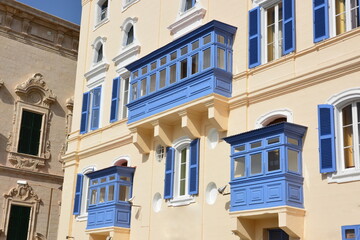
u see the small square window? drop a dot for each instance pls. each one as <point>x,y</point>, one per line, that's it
<point>293,141</point>
<point>173,56</point>
<point>255,144</point>
<point>102,180</point>
<point>153,66</point>
<point>256,163</point>
<point>239,148</point>
<point>163,61</point>
<point>144,70</point>
<point>195,45</point>
<point>207,39</point>
<point>239,167</point>
<point>184,50</point>
<point>135,74</point>
<point>220,39</point>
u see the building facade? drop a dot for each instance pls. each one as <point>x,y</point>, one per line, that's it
<point>202,119</point>
<point>38,56</point>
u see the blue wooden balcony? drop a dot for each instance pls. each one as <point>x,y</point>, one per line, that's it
<point>191,67</point>
<point>266,167</point>
<point>109,192</point>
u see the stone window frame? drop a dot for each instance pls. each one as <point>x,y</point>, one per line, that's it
<point>34,96</point>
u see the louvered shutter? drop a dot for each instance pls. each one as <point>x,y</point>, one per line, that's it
<point>288,26</point>
<point>254,38</point>
<point>194,167</point>
<point>78,193</point>
<point>321,20</point>
<point>85,113</point>
<point>169,173</point>
<point>115,100</point>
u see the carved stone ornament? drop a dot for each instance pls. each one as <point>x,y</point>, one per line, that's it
<point>35,91</point>
<point>23,161</point>
<point>22,192</point>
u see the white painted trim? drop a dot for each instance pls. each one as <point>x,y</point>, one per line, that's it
<point>339,100</point>
<point>181,201</point>
<point>125,157</point>
<point>126,56</point>
<point>268,117</point>
<point>126,5</point>
<point>96,75</point>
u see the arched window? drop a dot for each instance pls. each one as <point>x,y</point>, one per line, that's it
<point>104,8</point>
<point>121,162</point>
<point>99,50</point>
<point>130,36</point>
<point>188,4</point>
<point>274,117</point>
<point>99,53</point>
<point>276,120</point>
<point>101,12</point>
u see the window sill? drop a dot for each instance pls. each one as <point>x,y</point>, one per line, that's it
<point>81,218</point>
<point>101,23</point>
<point>127,55</point>
<point>26,161</point>
<point>344,176</point>
<point>187,21</point>
<point>96,74</point>
<point>181,201</point>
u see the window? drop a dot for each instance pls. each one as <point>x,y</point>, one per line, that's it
<point>119,99</point>
<point>181,171</point>
<point>188,4</point>
<point>99,53</point>
<point>104,8</point>
<point>277,234</point>
<point>90,113</point>
<point>30,133</point>
<point>81,200</point>
<point>334,17</point>
<point>130,35</point>
<point>350,232</point>
<point>102,12</point>
<point>271,31</point>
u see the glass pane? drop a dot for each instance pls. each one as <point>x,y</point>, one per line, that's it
<point>182,187</point>
<point>111,178</point>
<point>280,25</point>
<point>135,74</point>
<point>293,141</point>
<point>102,180</point>
<point>354,13</point>
<point>162,78</point>
<point>183,69</point>
<point>93,196</point>
<point>152,83</point>
<point>111,193</point>
<point>195,45</point>
<point>144,70</point>
<point>162,61</point>
<point>239,148</point>
<point>349,157</point>
<point>143,87</point>
<point>124,193</point>
<point>293,157</point>
<point>125,97</point>
<point>255,144</point>
<point>350,234</point>
<point>153,66</point>
<point>270,34</point>
<point>134,91</point>
<point>340,17</point>
<point>194,63</point>
<point>183,50</point>
<point>102,195</point>
<point>220,39</point>
<point>173,56</point>
<point>348,136</point>
<point>347,115</point>
<point>221,58</point>
<point>182,172</point>
<point>172,73</point>
<point>239,167</point>
<point>206,58</point>
<point>273,140</point>
<point>94,182</point>
<point>207,39</point>
<point>274,160</point>
<point>256,163</point>
<point>125,178</point>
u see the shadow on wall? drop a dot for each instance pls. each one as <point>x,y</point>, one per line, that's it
<point>5,96</point>
<point>57,109</point>
<point>3,153</point>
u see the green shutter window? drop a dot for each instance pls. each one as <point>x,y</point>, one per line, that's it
<point>30,132</point>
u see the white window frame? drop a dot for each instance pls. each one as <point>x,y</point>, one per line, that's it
<point>339,101</point>
<point>127,3</point>
<point>270,116</point>
<point>124,111</point>
<point>185,199</point>
<point>98,21</point>
<point>332,17</point>
<point>85,193</point>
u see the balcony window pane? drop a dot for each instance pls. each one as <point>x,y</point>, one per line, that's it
<point>153,66</point>
<point>256,163</point>
<point>350,234</point>
<point>123,178</point>
<point>173,56</point>
<point>293,160</point>
<point>134,91</point>
<point>273,140</point>
<point>239,167</point>
<point>220,39</point>
<point>207,58</point>
<point>111,178</point>
<point>348,136</point>
<point>162,61</point>
<point>195,64</point>
<point>93,196</point>
<point>183,69</point>
<point>220,58</point>
<point>293,141</point>
<point>124,193</point>
<point>162,78</point>
<point>195,45</point>
<point>183,50</point>
<point>94,182</point>
<point>111,193</point>
<point>102,195</point>
<point>143,87</point>
<point>239,148</point>
<point>152,83</point>
<point>144,70</point>
<point>207,39</point>
<point>274,160</point>
<point>172,73</point>
<point>135,74</point>
<point>255,144</point>
<point>102,180</point>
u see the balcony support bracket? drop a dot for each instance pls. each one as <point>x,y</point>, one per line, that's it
<point>142,139</point>
<point>162,133</point>
<point>218,113</point>
<point>190,123</point>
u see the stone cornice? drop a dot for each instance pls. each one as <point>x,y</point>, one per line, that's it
<point>46,176</point>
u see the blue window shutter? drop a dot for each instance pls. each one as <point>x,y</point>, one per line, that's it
<point>85,113</point>
<point>289,26</point>
<point>321,20</point>
<point>78,193</point>
<point>115,100</point>
<point>95,108</point>
<point>326,138</point>
<point>254,38</point>
<point>194,167</point>
<point>169,173</point>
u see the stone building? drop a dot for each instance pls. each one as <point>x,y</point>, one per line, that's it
<point>38,56</point>
<point>215,119</point>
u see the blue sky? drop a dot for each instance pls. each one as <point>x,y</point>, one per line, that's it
<point>69,10</point>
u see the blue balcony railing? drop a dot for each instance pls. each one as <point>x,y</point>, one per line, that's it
<point>266,167</point>
<point>109,192</point>
<point>193,66</point>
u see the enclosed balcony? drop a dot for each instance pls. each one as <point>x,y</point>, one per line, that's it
<point>109,192</point>
<point>266,167</point>
<point>191,67</point>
